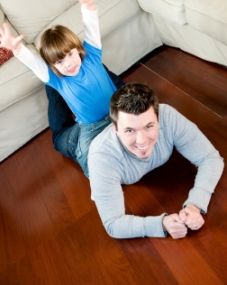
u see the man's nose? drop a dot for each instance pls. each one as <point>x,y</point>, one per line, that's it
<point>140,137</point>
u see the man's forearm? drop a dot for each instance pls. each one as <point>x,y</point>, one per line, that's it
<point>129,226</point>
<point>208,175</point>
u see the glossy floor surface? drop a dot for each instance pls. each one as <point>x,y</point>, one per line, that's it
<point>50,231</point>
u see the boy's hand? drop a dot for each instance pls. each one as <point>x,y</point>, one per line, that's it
<point>174,226</point>
<point>7,40</point>
<point>192,218</point>
<point>90,4</point>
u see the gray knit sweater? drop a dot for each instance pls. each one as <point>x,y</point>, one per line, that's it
<point>111,165</point>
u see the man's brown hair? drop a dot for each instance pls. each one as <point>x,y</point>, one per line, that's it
<point>133,98</point>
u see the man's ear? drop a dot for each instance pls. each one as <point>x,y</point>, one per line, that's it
<point>114,126</point>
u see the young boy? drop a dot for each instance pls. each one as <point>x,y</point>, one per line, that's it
<point>75,71</point>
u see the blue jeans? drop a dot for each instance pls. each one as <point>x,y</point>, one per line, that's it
<point>70,138</point>
<point>87,133</point>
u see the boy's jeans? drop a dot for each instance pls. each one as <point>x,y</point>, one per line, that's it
<point>87,133</point>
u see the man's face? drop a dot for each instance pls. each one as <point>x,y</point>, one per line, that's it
<point>138,133</point>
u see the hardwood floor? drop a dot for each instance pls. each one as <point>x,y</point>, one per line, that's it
<point>50,231</point>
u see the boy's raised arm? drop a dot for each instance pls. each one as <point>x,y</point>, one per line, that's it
<point>7,40</point>
<point>25,55</point>
<point>91,23</point>
<point>90,4</point>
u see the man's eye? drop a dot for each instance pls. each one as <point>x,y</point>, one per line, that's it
<point>129,131</point>
<point>149,126</point>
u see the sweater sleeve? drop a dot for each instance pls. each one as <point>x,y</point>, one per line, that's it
<point>195,147</point>
<point>108,195</point>
<point>34,62</point>
<point>209,172</point>
<point>91,27</point>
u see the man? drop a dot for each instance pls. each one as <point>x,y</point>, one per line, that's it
<point>142,138</point>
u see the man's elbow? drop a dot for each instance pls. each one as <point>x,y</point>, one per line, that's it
<point>221,163</point>
<point>111,230</point>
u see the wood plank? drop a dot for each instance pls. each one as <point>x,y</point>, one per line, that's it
<point>208,121</point>
<point>50,229</point>
<point>204,81</point>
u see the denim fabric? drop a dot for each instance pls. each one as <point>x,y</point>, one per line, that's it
<point>70,138</point>
<point>87,133</point>
<point>61,121</point>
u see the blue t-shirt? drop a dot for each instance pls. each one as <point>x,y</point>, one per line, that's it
<point>88,93</point>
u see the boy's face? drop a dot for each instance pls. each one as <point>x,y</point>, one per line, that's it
<point>138,133</point>
<point>70,64</point>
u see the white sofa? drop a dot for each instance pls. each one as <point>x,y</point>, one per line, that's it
<point>198,27</point>
<point>127,33</point>
<point>130,29</point>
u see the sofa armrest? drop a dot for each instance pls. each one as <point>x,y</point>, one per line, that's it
<point>172,10</point>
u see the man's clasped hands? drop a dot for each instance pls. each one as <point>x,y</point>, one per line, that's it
<point>177,225</point>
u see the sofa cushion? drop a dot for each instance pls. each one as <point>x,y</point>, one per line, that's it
<point>12,73</point>
<point>1,17</point>
<point>209,17</point>
<point>110,16</point>
<point>172,10</point>
<point>5,55</point>
<point>34,15</point>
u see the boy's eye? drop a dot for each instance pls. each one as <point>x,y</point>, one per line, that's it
<point>70,53</point>
<point>59,61</point>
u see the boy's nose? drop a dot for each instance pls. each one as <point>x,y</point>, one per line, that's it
<point>67,65</point>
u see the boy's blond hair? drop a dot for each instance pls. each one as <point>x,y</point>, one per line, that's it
<point>56,42</point>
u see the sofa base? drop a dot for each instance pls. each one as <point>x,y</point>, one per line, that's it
<point>21,122</point>
<point>128,44</point>
<point>191,40</point>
